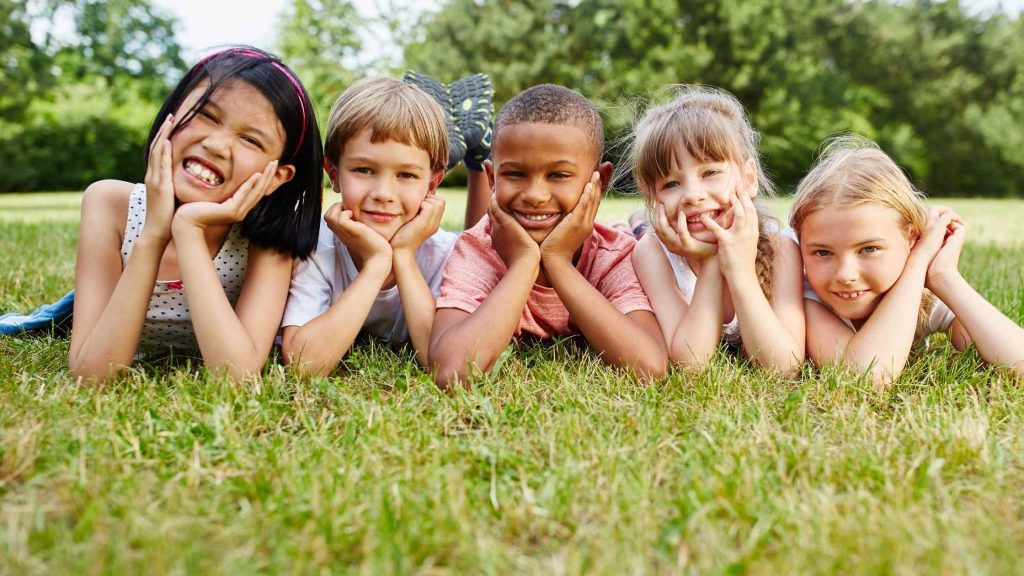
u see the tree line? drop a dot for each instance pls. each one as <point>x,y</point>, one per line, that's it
<point>940,87</point>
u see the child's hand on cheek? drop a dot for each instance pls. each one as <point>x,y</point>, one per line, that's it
<point>160,185</point>
<point>361,240</point>
<point>509,238</point>
<point>415,232</point>
<point>946,263</point>
<point>677,238</point>
<point>737,244</point>
<point>204,214</point>
<point>576,226</point>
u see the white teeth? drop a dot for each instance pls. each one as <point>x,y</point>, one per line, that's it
<point>696,219</point>
<point>536,217</point>
<point>850,295</point>
<point>204,174</point>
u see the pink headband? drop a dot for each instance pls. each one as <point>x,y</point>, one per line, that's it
<point>287,74</point>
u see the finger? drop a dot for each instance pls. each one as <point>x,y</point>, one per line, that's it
<point>683,230</point>
<point>714,227</point>
<point>662,227</point>
<point>166,169</point>
<point>161,134</point>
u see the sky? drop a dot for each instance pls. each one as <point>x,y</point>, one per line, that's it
<point>209,23</point>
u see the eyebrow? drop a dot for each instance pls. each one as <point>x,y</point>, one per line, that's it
<point>405,166</point>
<point>858,244</point>
<point>515,164</point>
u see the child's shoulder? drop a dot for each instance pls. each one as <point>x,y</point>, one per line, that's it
<point>107,199</point>
<point>608,238</point>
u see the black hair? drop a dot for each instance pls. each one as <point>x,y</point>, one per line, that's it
<point>289,219</point>
<point>553,104</point>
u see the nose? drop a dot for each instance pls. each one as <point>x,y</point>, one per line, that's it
<point>848,270</point>
<point>217,142</point>
<point>693,195</point>
<point>384,191</point>
<point>535,193</point>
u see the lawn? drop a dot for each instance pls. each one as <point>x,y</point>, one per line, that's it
<point>554,464</point>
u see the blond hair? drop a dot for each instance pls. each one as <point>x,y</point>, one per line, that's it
<point>852,171</point>
<point>712,126</point>
<point>391,110</point>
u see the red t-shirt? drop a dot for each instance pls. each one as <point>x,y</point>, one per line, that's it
<point>474,269</point>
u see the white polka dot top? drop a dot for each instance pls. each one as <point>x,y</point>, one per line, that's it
<point>168,323</point>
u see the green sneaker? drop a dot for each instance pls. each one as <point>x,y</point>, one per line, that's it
<point>439,92</point>
<point>473,102</point>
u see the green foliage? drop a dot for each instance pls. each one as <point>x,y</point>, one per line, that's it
<point>937,87</point>
<point>318,40</point>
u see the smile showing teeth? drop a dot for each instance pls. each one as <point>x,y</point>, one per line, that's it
<point>850,294</point>
<point>536,217</point>
<point>203,173</point>
<point>695,219</point>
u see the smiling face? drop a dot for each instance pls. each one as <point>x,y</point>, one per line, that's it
<point>539,171</point>
<point>854,255</point>
<point>698,187</point>
<point>383,183</point>
<point>233,136</point>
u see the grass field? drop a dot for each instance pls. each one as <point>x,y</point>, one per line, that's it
<point>555,464</point>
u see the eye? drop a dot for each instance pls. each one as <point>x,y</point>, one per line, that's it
<point>362,170</point>
<point>253,141</point>
<point>205,113</point>
<point>559,176</point>
<point>513,174</point>
<point>408,176</point>
<point>710,172</point>
<point>870,249</point>
<point>670,184</point>
<point>821,253</point>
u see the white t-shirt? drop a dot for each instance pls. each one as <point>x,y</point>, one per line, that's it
<point>320,280</point>
<point>940,317</point>
<point>687,282</point>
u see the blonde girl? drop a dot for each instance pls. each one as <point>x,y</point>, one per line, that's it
<point>882,269</point>
<point>717,267</point>
<point>199,257</point>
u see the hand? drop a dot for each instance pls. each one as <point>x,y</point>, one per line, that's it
<point>362,241</point>
<point>509,238</point>
<point>933,236</point>
<point>415,232</point>
<point>737,244</point>
<point>565,240</point>
<point>160,184</point>
<point>205,214</point>
<point>677,238</point>
<point>946,263</point>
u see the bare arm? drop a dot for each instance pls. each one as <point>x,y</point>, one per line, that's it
<point>998,339</point>
<point>478,196</point>
<point>111,303</point>
<point>417,300</point>
<point>317,347</point>
<point>692,330</point>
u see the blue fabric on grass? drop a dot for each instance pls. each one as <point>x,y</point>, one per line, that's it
<point>43,318</point>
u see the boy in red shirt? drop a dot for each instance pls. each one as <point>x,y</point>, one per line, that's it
<point>538,264</point>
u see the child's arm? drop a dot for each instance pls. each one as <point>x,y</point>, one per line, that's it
<point>630,340</point>
<point>237,339</point>
<point>316,347</point>
<point>881,347</point>
<point>460,339</point>
<point>998,339</point>
<point>111,303</point>
<point>773,332</point>
<point>417,300</point>
<point>693,330</point>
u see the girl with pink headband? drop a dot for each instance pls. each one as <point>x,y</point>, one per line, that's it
<point>198,257</point>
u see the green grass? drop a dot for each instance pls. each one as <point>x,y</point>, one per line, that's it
<point>555,464</point>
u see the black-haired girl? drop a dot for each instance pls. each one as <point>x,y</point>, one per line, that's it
<point>200,255</point>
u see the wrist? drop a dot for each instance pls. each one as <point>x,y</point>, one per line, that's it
<point>945,283</point>
<point>377,265</point>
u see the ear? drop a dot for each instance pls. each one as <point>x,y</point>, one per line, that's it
<point>489,170</point>
<point>749,176</point>
<point>332,175</point>
<point>435,181</point>
<point>283,174</point>
<point>605,170</point>
<point>912,236</point>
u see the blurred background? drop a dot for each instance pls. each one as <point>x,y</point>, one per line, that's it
<point>939,85</point>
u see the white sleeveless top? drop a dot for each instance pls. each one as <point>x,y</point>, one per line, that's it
<point>687,282</point>
<point>168,322</point>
